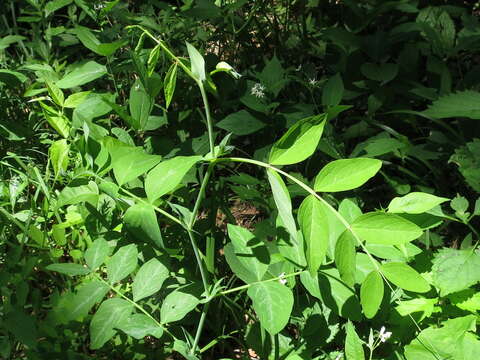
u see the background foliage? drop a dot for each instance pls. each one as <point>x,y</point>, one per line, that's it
<point>161,164</point>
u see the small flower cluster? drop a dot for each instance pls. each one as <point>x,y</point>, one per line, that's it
<point>258,90</point>
<point>98,6</point>
<point>384,335</point>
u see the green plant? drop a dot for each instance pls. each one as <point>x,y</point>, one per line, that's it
<point>272,211</point>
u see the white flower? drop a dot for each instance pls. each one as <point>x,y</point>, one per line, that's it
<point>384,335</point>
<point>313,82</point>
<point>258,90</point>
<point>282,279</point>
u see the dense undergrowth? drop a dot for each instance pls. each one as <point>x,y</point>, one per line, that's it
<point>239,179</point>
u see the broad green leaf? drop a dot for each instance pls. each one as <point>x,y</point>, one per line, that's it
<point>241,123</point>
<point>130,162</point>
<point>455,270</point>
<point>346,174</point>
<point>313,222</point>
<point>349,210</point>
<point>382,228</point>
<point>237,267</point>
<point>249,251</point>
<point>82,74</point>
<point>353,344</point>
<point>56,120</point>
<point>273,303</point>
<point>197,62</point>
<point>371,293</point>
<point>97,253</point>
<point>149,279</point>
<point>12,78</point>
<point>122,263</point>
<point>299,142</point>
<point>170,84</point>
<point>153,59</point>
<point>10,39</point>
<point>140,105</point>
<point>455,105</point>
<point>381,72</point>
<point>140,220</point>
<point>451,341</point>
<point>415,203</point>
<point>425,306</point>
<point>177,304</point>
<point>76,99</point>
<point>282,199</point>
<point>79,304</point>
<point>110,313</point>
<point>345,256</point>
<point>139,325</point>
<point>22,326</point>
<point>55,5</point>
<point>55,93</point>
<point>70,269</point>
<point>167,175</point>
<point>334,293</point>
<point>58,154</point>
<point>88,39</point>
<point>404,277</point>
<point>333,91</point>
<point>468,300</point>
<point>459,204</point>
<point>364,265</point>
<point>78,191</point>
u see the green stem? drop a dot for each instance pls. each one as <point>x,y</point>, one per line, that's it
<point>196,251</point>
<point>209,119</point>
<point>243,287</point>
<point>201,323</point>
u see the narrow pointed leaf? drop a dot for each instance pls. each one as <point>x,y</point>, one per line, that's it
<point>415,203</point>
<point>345,257</point>
<point>250,252</point>
<point>371,293</point>
<point>282,199</point>
<point>139,325</point>
<point>167,175</point>
<point>176,305</point>
<point>149,279</point>
<point>140,221</point>
<point>346,174</point>
<point>314,225</point>
<point>81,75</point>
<point>70,269</point>
<point>110,313</point>
<point>353,344</point>
<point>170,84</point>
<point>273,303</point>
<point>299,142</point>
<point>97,253</point>
<point>130,162</point>
<point>405,277</point>
<point>382,228</point>
<point>197,62</point>
<point>122,263</point>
